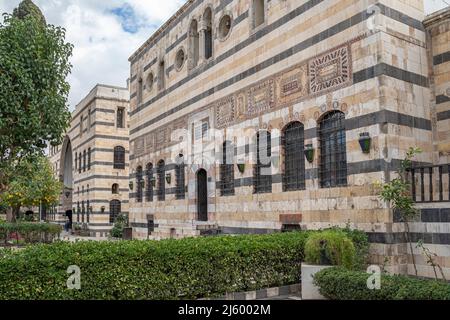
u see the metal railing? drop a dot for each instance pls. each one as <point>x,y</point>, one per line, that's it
<point>430,183</point>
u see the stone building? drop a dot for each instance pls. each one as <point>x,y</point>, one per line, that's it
<point>93,161</point>
<point>338,90</point>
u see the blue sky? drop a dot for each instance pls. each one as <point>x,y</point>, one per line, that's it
<point>106,32</point>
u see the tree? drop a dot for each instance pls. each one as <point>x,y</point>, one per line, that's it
<point>398,193</point>
<point>34,184</point>
<point>34,65</point>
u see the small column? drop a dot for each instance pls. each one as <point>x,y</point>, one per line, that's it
<point>201,55</point>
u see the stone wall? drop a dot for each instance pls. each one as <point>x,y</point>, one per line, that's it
<point>99,133</point>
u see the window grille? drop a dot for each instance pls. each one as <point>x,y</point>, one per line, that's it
<point>149,190</point>
<point>139,179</point>
<point>227,169</point>
<point>180,179</point>
<point>120,118</point>
<point>262,179</point>
<point>161,181</point>
<point>333,154</point>
<point>119,157</point>
<point>115,208</point>
<point>294,158</point>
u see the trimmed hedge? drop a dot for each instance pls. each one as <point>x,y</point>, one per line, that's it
<point>170,269</point>
<point>30,232</point>
<point>341,284</point>
<point>338,247</point>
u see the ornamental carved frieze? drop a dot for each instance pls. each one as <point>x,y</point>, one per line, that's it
<point>330,71</point>
<point>319,75</point>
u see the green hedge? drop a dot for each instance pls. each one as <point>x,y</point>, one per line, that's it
<point>341,284</point>
<point>29,232</point>
<point>169,269</point>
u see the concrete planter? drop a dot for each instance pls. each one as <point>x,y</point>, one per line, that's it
<point>309,290</point>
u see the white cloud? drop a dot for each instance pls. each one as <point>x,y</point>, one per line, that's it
<point>102,46</point>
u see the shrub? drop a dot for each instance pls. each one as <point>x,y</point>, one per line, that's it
<point>338,248</point>
<point>169,269</point>
<point>119,224</point>
<point>29,232</point>
<point>342,284</point>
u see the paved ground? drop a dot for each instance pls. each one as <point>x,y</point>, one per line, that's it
<point>66,236</point>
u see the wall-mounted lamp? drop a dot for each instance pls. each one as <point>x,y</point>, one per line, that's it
<point>168,178</point>
<point>102,209</point>
<point>309,153</point>
<point>131,185</point>
<point>241,167</point>
<point>153,181</point>
<point>365,141</point>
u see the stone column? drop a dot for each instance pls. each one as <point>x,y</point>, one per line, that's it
<point>201,53</point>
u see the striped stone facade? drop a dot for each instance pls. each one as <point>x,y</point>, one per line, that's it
<point>294,61</point>
<point>95,131</point>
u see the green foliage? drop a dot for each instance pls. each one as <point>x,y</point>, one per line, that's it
<point>342,284</point>
<point>29,232</point>
<point>170,269</point>
<point>32,185</point>
<point>27,8</point>
<point>339,249</point>
<point>398,191</point>
<point>120,223</point>
<point>361,242</point>
<point>34,65</point>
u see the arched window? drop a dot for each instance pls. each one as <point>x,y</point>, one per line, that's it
<point>294,158</point>
<point>227,169</point>
<point>83,211</point>
<point>262,179</point>
<point>161,180</point>
<point>115,207</point>
<point>259,12</point>
<point>139,180</point>
<point>162,75</point>
<point>179,178</point>
<point>207,22</point>
<point>193,44</point>
<point>89,158</point>
<point>115,188</point>
<point>119,157</point>
<point>333,154</point>
<point>79,163</point>
<point>84,160</point>
<point>88,211</point>
<point>76,161</point>
<point>78,209</point>
<point>139,93</point>
<point>149,191</point>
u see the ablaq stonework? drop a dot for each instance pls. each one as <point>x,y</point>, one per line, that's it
<point>307,82</point>
<point>93,162</point>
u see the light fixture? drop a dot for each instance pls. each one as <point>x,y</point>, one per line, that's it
<point>241,167</point>
<point>365,141</point>
<point>309,153</point>
<point>168,178</point>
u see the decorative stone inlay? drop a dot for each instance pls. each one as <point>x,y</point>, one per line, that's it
<point>292,85</point>
<point>225,112</point>
<point>261,97</point>
<point>330,71</point>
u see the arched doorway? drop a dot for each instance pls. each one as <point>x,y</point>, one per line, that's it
<point>66,175</point>
<point>202,195</point>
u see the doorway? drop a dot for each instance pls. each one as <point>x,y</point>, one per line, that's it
<point>202,195</point>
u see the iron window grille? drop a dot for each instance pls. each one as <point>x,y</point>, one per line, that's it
<point>78,211</point>
<point>149,190</point>
<point>89,159</point>
<point>87,212</point>
<point>333,154</point>
<point>84,160</point>
<point>262,179</point>
<point>79,163</point>
<point>139,179</point>
<point>119,157</point>
<point>83,211</point>
<point>115,207</point>
<point>227,169</point>
<point>161,181</point>
<point>294,160</point>
<point>76,161</point>
<point>120,118</point>
<point>180,181</point>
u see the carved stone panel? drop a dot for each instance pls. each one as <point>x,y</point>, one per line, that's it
<point>330,71</point>
<point>225,111</point>
<point>292,85</point>
<point>261,98</point>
